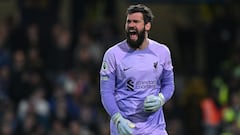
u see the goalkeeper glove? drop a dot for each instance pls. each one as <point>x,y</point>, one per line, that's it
<point>124,126</point>
<point>152,103</point>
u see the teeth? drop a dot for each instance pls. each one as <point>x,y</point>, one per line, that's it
<point>132,30</point>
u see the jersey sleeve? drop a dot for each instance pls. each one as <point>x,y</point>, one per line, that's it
<point>168,60</point>
<point>167,77</point>
<point>107,83</point>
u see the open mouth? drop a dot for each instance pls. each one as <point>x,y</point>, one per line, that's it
<point>133,34</point>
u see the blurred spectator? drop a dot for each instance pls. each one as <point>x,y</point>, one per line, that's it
<point>88,118</point>
<point>4,82</point>
<point>37,105</point>
<point>58,128</point>
<point>88,51</point>
<point>29,125</point>
<point>5,44</point>
<point>8,122</point>
<point>59,54</point>
<point>104,127</point>
<point>75,128</point>
<point>6,129</point>
<point>211,114</point>
<point>18,79</point>
<point>62,106</point>
<point>5,61</point>
<point>231,116</point>
<point>80,81</point>
<point>34,60</point>
<point>32,36</point>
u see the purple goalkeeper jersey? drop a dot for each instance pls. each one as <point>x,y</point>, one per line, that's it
<point>128,76</point>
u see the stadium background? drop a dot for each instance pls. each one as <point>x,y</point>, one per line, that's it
<point>51,51</point>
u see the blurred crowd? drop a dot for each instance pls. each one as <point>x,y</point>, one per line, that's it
<point>49,72</point>
<point>49,76</point>
<point>209,100</point>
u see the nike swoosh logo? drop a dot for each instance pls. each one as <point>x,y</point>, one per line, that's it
<point>125,69</point>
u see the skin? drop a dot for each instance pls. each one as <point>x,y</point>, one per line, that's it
<point>135,20</point>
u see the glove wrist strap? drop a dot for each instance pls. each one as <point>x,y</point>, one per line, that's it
<point>162,99</point>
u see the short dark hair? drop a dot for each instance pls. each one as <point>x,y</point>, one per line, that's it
<point>147,13</point>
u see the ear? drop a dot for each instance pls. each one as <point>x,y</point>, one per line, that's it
<point>148,26</point>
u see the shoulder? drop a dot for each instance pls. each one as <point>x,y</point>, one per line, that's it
<point>117,48</point>
<point>158,47</point>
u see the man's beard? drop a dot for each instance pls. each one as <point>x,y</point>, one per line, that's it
<point>140,38</point>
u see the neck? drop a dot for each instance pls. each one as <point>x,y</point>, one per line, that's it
<point>145,43</point>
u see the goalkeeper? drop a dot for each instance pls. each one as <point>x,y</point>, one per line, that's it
<point>137,78</point>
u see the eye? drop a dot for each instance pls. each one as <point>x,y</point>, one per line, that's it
<point>136,21</point>
<point>128,21</point>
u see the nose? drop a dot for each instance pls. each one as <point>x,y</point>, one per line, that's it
<point>131,24</point>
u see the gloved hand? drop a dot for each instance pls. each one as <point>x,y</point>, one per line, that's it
<point>152,103</point>
<point>124,126</point>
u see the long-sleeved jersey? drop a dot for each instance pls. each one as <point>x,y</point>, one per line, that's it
<point>128,76</point>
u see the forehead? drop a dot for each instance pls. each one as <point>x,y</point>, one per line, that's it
<point>135,16</point>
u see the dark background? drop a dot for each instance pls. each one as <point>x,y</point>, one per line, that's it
<point>51,52</point>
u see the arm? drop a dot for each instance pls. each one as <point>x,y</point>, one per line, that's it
<point>167,82</point>
<point>152,102</point>
<point>107,88</point>
<point>107,84</point>
<point>167,77</point>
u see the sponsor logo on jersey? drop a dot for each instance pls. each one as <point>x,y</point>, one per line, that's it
<point>150,84</point>
<point>130,85</point>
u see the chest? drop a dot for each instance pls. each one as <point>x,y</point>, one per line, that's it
<point>140,67</point>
